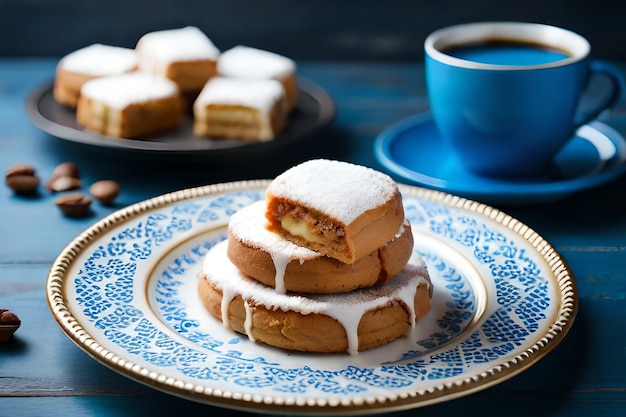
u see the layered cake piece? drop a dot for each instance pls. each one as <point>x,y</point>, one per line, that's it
<point>87,63</point>
<point>347,322</point>
<point>186,56</point>
<point>131,106</point>
<point>286,267</point>
<point>252,63</point>
<point>252,110</point>
<point>338,209</point>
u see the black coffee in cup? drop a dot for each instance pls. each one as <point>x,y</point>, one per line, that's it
<point>499,51</point>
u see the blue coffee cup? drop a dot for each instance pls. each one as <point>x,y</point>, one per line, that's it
<point>506,95</point>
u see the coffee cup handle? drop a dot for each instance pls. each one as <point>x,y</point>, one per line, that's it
<point>595,147</point>
<point>614,75</point>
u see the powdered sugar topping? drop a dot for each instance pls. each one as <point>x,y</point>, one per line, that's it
<point>158,49</point>
<point>256,94</point>
<point>121,90</point>
<point>247,62</point>
<point>99,60</point>
<point>340,189</point>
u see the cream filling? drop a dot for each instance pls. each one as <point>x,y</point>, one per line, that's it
<point>299,228</point>
<point>228,116</point>
<point>100,117</point>
<point>101,112</point>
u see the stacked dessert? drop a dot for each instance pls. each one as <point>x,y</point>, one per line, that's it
<point>324,264</point>
<point>243,93</point>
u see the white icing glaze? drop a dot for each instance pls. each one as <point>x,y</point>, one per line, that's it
<point>257,94</point>
<point>156,50</point>
<point>99,60</point>
<point>347,308</point>
<point>247,62</point>
<point>247,324</point>
<point>339,189</point>
<point>249,226</point>
<point>228,293</point>
<point>280,264</point>
<point>118,91</point>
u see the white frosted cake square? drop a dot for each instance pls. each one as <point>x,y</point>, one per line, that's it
<point>186,56</point>
<point>252,63</point>
<point>246,109</point>
<point>82,65</point>
<point>132,105</point>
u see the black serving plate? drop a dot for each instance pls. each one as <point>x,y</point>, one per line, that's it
<point>315,110</point>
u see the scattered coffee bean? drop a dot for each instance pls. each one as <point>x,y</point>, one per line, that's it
<point>105,191</point>
<point>20,169</point>
<point>64,170</point>
<point>9,323</point>
<point>7,317</point>
<point>21,179</point>
<point>74,205</point>
<point>63,184</point>
<point>23,184</point>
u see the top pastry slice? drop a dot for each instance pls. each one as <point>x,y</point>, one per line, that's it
<point>336,208</point>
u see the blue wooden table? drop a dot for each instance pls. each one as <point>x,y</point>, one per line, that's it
<point>42,373</point>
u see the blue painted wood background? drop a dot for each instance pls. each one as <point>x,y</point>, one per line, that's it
<point>42,373</point>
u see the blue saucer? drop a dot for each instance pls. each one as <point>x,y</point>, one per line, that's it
<point>414,150</point>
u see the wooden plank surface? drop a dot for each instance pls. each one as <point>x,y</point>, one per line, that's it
<point>43,373</point>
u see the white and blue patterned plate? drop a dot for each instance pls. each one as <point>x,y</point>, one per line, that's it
<point>125,292</point>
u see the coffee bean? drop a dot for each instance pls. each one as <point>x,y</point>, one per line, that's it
<point>9,323</point>
<point>105,191</point>
<point>63,184</point>
<point>20,169</point>
<point>21,179</point>
<point>23,184</point>
<point>64,170</point>
<point>7,317</point>
<point>74,205</point>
